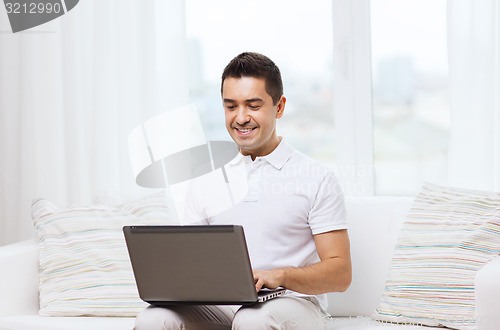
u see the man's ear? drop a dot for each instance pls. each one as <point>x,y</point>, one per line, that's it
<point>281,107</point>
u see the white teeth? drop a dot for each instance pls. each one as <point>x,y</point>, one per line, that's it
<point>246,130</point>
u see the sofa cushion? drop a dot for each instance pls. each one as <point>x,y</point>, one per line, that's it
<point>448,236</point>
<point>84,268</point>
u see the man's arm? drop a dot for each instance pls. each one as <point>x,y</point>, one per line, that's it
<point>331,274</point>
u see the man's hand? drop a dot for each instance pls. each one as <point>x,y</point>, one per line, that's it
<point>270,279</point>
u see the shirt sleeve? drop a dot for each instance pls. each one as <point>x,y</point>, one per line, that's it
<point>328,210</point>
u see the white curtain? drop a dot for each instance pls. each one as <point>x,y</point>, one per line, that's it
<point>474,58</point>
<point>70,92</point>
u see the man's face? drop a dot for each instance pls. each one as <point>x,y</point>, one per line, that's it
<point>251,115</point>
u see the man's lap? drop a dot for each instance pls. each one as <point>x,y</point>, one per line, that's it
<point>286,312</point>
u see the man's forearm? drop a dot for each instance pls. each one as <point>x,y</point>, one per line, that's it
<point>330,275</point>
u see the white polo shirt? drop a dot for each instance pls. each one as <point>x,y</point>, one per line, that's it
<point>290,198</point>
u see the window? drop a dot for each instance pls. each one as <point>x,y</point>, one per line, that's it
<point>411,124</point>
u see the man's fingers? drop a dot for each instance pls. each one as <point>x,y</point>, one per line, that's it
<point>259,285</point>
<point>259,282</point>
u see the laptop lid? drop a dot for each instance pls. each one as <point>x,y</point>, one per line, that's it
<point>191,264</point>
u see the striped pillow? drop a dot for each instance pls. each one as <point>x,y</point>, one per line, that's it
<point>84,268</point>
<point>449,234</point>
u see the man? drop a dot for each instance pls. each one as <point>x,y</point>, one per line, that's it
<point>293,215</point>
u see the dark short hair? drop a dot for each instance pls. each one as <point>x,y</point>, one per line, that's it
<point>257,66</point>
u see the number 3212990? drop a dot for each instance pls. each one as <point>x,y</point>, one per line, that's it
<point>32,8</point>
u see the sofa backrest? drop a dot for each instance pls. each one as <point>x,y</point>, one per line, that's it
<point>373,225</point>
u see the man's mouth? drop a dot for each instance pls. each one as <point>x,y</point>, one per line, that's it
<point>245,130</point>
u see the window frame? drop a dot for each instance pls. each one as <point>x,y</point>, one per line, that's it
<point>353,109</point>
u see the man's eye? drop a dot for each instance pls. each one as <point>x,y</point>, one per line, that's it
<point>230,107</point>
<point>254,107</point>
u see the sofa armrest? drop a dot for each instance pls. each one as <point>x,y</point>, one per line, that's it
<point>19,279</point>
<point>487,289</point>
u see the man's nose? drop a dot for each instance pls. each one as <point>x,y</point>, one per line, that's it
<point>242,116</point>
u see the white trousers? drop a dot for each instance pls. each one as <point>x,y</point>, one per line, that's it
<point>287,312</point>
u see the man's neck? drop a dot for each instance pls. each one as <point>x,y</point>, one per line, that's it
<point>268,151</point>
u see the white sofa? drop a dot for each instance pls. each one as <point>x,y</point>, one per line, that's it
<point>374,224</point>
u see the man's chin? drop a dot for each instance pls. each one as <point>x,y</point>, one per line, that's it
<point>245,145</point>
<point>243,140</point>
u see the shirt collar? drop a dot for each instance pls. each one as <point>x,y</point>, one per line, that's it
<point>280,155</point>
<point>238,158</point>
<point>277,158</point>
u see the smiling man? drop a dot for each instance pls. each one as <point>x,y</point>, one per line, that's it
<point>293,215</point>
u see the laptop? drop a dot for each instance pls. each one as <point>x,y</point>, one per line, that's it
<point>206,265</point>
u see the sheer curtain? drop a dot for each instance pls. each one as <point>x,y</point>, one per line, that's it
<point>70,92</point>
<point>474,55</point>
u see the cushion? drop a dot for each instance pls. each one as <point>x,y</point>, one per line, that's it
<point>449,234</point>
<point>84,267</point>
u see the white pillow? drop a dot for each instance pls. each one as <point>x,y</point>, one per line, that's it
<point>83,259</point>
<point>449,234</point>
